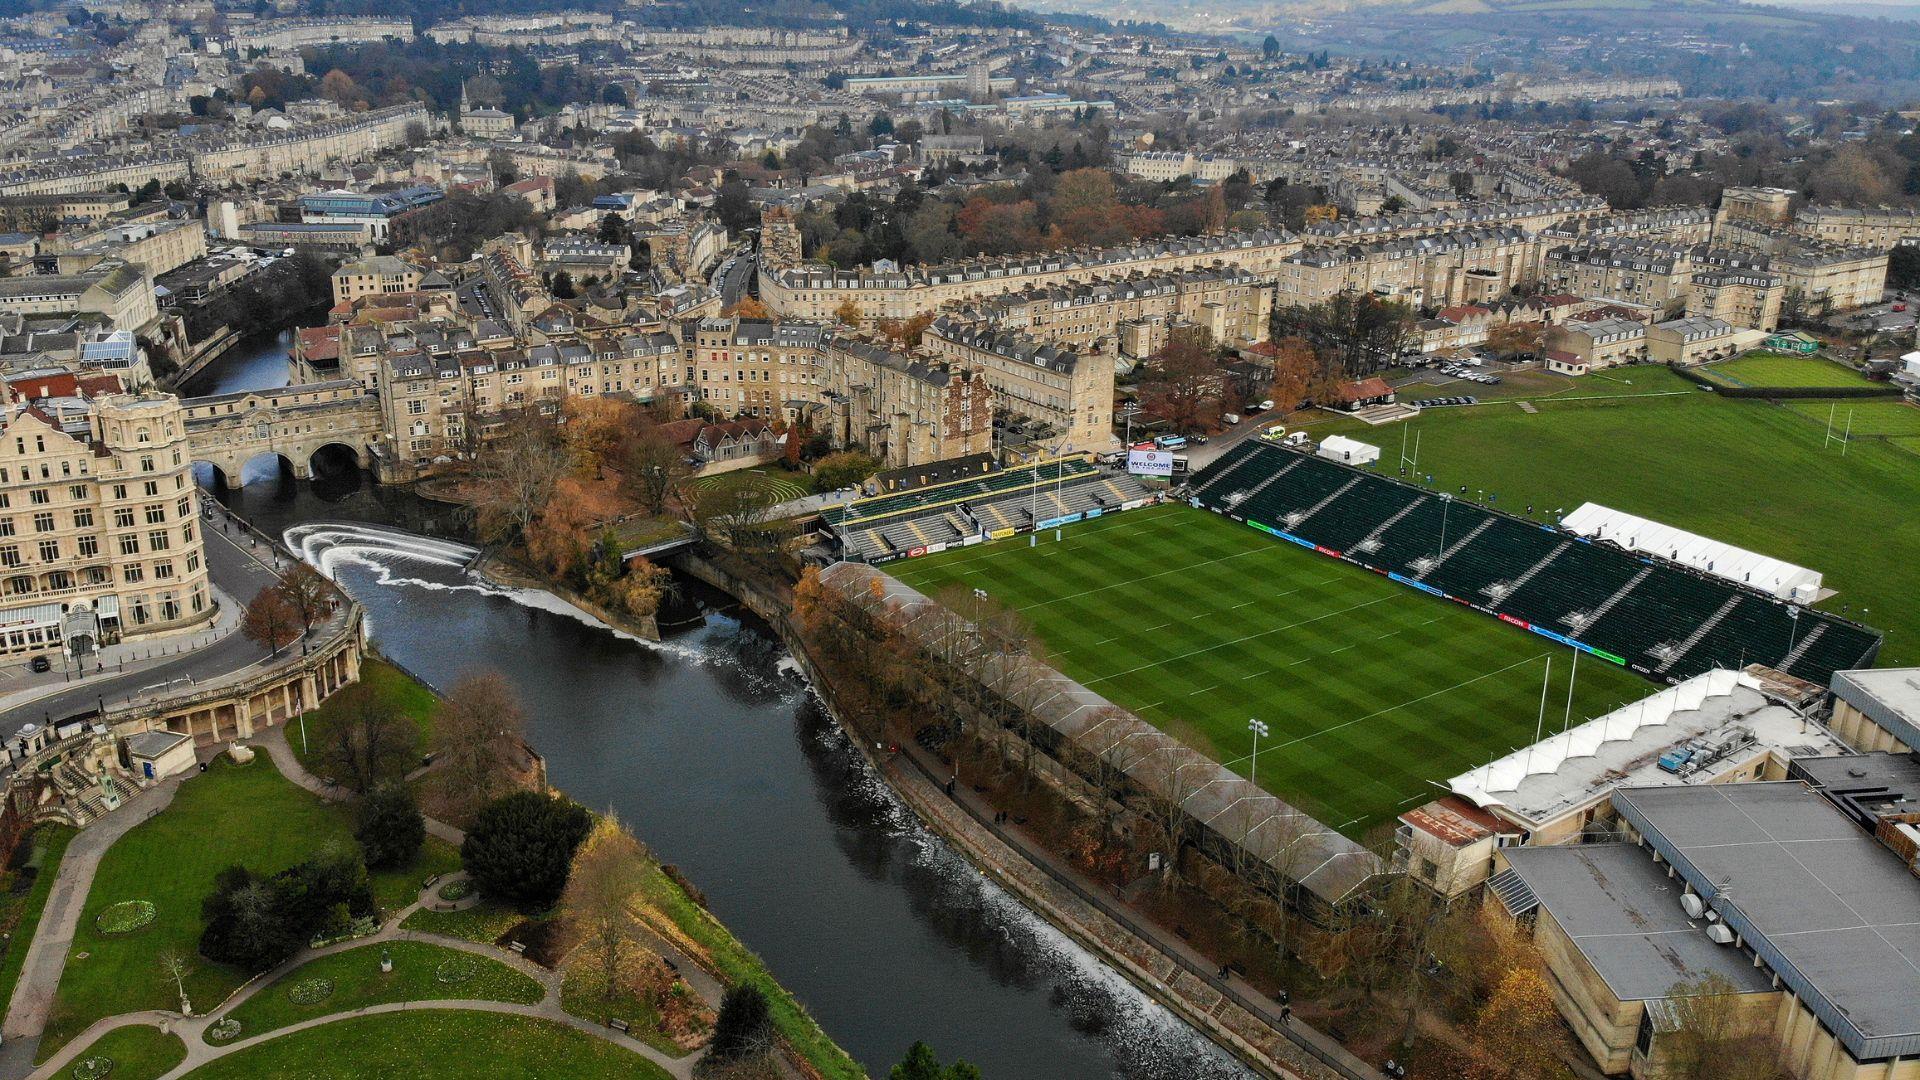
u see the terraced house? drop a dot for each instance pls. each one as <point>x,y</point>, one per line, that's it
<point>1133,313</point>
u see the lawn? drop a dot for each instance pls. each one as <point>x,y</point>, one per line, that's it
<point>1372,691</point>
<point>484,922</point>
<point>1783,370</point>
<point>783,484</point>
<point>245,814</point>
<point>1745,472</point>
<point>421,972</point>
<point>436,1043</point>
<point>138,1052</point>
<point>20,912</point>
<point>395,689</point>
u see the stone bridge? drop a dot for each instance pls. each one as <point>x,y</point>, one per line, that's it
<point>294,422</point>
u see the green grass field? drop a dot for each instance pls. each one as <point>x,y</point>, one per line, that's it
<point>1196,623</point>
<point>245,814</point>
<point>1783,370</point>
<point>433,1044</point>
<point>138,1052</point>
<point>313,739</point>
<point>358,982</point>
<point>1746,472</point>
<point>21,911</point>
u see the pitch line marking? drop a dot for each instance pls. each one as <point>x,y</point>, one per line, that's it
<point>1244,637</point>
<point>1215,686</point>
<point>1255,675</point>
<point>1415,701</point>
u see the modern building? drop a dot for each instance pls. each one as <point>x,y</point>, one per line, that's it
<point>380,275</point>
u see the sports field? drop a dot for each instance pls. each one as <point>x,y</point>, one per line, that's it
<point>1372,690</point>
<point>1783,370</point>
<point>1751,473</point>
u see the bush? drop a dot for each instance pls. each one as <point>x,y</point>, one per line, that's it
<point>521,846</point>
<point>254,923</point>
<point>835,471</point>
<point>391,827</point>
<point>744,1026</point>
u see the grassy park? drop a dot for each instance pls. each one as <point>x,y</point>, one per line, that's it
<point>1746,472</point>
<point>245,814</point>
<point>315,733</point>
<point>1372,691</point>
<point>20,910</point>
<point>421,972</point>
<point>138,1052</point>
<point>433,1044</point>
<point>1767,369</point>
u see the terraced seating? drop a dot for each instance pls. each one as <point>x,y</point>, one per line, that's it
<point>1659,616</point>
<point>978,487</point>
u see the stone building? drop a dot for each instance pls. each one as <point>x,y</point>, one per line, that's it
<point>99,525</point>
<point>1068,389</point>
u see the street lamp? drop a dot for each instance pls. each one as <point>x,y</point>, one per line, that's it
<point>1259,728</point>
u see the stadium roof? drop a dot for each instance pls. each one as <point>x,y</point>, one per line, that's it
<point>1782,579</point>
<point>1832,912</point>
<point>1890,697</point>
<point>1561,773</point>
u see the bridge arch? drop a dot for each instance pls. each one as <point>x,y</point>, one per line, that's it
<point>336,458</point>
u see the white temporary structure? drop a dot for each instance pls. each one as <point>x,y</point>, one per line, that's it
<point>1782,579</point>
<point>1348,451</point>
<point>1483,785</point>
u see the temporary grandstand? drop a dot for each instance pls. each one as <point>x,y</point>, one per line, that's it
<point>1769,575</point>
<point>1662,619</point>
<point>990,506</point>
<point>1235,822</point>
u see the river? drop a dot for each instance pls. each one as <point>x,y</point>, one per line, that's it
<point>737,776</point>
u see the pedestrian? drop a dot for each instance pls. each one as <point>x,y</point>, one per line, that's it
<point>1286,1014</point>
<point>1285,997</point>
<point>949,789</point>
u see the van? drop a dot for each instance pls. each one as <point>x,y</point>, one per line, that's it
<point>1170,442</point>
<point>1230,419</point>
<point>1267,405</point>
<point>1297,439</point>
<point>1274,432</point>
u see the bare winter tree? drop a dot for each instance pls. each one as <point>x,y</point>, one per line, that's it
<point>477,729</point>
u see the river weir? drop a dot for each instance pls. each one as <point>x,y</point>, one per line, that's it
<point>733,772</point>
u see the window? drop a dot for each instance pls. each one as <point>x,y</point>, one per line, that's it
<point>123,517</point>
<point>89,546</point>
<point>162,571</point>
<point>158,540</point>
<point>119,491</point>
<point>134,574</point>
<point>43,522</point>
<point>77,491</point>
<point>146,463</point>
<point>39,496</point>
<point>49,550</point>
<point>156,514</point>
<point>130,544</point>
<point>83,518</point>
<point>184,507</point>
<point>150,488</point>
<point>9,555</point>
<point>186,533</point>
<point>193,563</point>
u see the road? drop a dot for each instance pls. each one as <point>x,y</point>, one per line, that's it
<point>733,284</point>
<point>241,572</point>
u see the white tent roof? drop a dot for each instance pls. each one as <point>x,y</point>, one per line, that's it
<point>1546,756</point>
<point>1762,572</point>
<point>1344,445</point>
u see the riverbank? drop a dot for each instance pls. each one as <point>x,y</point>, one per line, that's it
<point>500,571</point>
<point>1238,1019</point>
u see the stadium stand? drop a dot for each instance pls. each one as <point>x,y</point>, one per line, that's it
<point>1660,618</point>
<point>989,506</point>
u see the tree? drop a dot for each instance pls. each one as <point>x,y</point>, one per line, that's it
<point>848,312</point>
<point>921,1064</point>
<point>1270,48</point>
<point>1517,337</point>
<point>1183,381</point>
<point>517,475</point>
<point>270,621</point>
<point>475,731</point>
<point>1711,1033</point>
<point>254,923</point>
<point>750,308</point>
<point>1518,1030</point>
<point>521,847</point>
<point>391,827</point>
<point>844,469</point>
<point>651,465</point>
<point>372,742</point>
<point>744,1027</point>
<point>1294,367</point>
<point>307,592</point>
<point>609,867</point>
<point>175,967</point>
<point>563,288</point>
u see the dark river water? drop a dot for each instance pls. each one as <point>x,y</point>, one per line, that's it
<point>734,773</point>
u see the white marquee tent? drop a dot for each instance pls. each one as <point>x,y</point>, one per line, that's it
<point>1782,579</point>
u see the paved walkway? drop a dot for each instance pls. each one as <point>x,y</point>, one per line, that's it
<point>274,741</point>
<point>1192,973</point>
<point>46,958</point>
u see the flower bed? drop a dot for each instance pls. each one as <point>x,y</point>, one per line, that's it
<point>458,889</point>
<point>125,917</point>
<point>456,969</point>
<point>225,1030</point>
<point>92,1068</point>
<point>310,991</point>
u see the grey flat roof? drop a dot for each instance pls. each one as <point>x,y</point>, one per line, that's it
<point>151,744</point>
<point>1889,697</point>
<point>1623,914</point>
<point>1834,913</point>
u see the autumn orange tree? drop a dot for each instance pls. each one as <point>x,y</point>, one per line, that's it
<point>270,621</point>
<point>1294,368</point>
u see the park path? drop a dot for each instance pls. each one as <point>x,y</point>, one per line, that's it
<point>46,958</point>
<point>274,742</point>
<point>199,1051</point>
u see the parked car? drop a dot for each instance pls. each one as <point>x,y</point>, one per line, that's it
<point>1266,405</point>
<point>40,664</point>
<point>1230,419</point>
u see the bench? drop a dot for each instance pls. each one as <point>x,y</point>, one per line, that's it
<point>619,1025</point>
<point>516,946</point>
<point>431,878</point>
